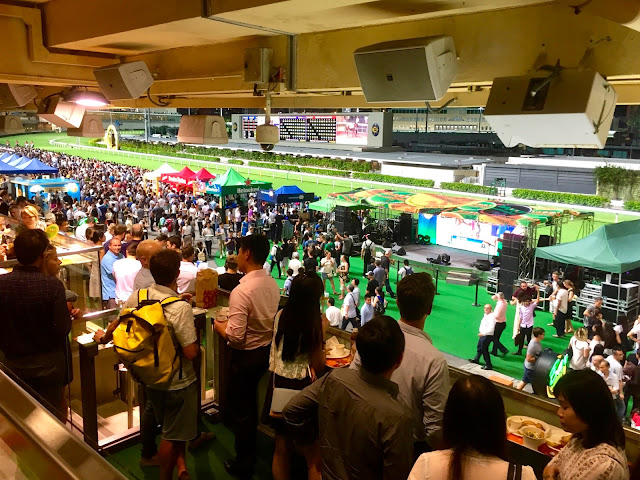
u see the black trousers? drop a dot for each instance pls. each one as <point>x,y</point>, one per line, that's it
<point>500,327</point>
<point>483,349</point>
<point>276,263</point>
<point>526,332</point>
<point>559,323</point>
<point>208,244</point>
<point>247,368</point>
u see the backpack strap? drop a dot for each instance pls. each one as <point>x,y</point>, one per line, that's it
<point>514,472</point>
<point>143,295</point>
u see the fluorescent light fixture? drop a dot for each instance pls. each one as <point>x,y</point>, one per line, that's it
<point>86,98</point>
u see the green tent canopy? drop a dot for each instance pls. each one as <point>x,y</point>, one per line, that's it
<point>612,248</point>
<point>231,182</point>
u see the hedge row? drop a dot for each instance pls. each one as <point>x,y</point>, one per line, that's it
<point>235,162</point>
<point>294,168</point>
<point>378,177</point>
<point>179,150</point>
<point>633,206</point>
<point>559,197</point>
<point>470,188</point>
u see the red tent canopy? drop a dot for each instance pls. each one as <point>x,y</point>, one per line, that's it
<point>203,175</point>
<point>183,178</point>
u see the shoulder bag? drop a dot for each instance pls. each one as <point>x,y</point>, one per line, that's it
<point>514,472</point>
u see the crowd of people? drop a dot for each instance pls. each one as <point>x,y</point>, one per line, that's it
<point>392,414</point>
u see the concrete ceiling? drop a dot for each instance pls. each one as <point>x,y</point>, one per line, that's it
<point>195,48</point>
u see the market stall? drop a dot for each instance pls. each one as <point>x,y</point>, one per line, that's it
<point>232,183</point>
<point>182,179</point>
<point>47,186</point>
<point>286,194</point>
<point>155,175</point>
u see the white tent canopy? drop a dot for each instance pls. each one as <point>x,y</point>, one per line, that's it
<point>155,175</point>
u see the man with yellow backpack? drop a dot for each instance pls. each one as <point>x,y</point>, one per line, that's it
<point>155,338</point>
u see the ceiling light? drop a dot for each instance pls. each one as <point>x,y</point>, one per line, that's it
<point>86,98</point>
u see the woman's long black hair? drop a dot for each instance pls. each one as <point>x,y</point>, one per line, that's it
<point>300,324</point>
<point>591,400</point>
<point>474,420</point>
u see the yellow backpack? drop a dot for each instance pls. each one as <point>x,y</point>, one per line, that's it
<point>144,344</point>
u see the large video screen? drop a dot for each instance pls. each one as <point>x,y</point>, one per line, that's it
<point>338,129</point>
<point>470,235</point>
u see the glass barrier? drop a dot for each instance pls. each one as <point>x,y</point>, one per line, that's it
<point>35,445</point>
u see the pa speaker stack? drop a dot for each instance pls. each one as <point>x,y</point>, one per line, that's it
<point>346,221</point>
<point>404,229</point>
<point>509,262</point>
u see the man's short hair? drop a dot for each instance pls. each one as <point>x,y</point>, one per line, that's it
<point>162,237</point>
<point>136,230</point>
<point>605,362</point>
<point>132,248</point>
<point>378,262</point>
<point>258,245</point>
<point>176,241</point>
<point>29,245</point>
<point>617,348</point>
<point>289,271</point>
<point>231,263</point>
<point>537,331</point>
<point>356,281</point>
<point>295,255</point>
<point>380,343</point>
<point>165,266</point>
<point>415,295</point>
<point>120,229</point>
<point>188,251</point>
<point>332,302</point>
<point>500,295</point>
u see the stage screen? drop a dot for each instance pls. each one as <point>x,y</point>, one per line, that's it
<point>469,235</point>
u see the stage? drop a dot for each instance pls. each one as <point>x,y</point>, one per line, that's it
<point>459,258</point>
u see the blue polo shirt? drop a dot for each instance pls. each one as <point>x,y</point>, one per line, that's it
<point>106,274</point>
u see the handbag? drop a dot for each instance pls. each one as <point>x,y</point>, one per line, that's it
<point>518,339</point>
<point>281,397</point>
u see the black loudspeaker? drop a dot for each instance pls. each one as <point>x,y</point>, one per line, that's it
<point>544,241</point>
<point>506,280</point>
<point>399,251</point>
<point>404,229</point>
<point>509,264</point>
<point>512,244</point>
<point>339,226</point>
<point>386,244</point>
<point>341,214</point>
<point>483,264</point>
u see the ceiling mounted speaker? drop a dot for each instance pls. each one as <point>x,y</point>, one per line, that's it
<point>60,113</point>
<point>569,108</point>
<point>11,124</point>
<point>91,127</point>
<point>203,130</point>
<point>124,81</point>
<point>414,70</point>
<point>12,96</point>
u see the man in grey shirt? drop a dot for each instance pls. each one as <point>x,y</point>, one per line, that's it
<point>146,249</point>
<point>364,430</point>
<point>423,377</point>
<point>379,274</point>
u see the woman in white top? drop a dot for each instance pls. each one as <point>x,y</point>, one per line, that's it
<point>579,345</point>
<point>327,269</point>
<point>343,273</point>
<point>297,358</point>
<point>475,433</point>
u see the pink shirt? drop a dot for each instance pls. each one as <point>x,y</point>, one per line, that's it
<point>501,311</point>
<point>253,305</point>
<point>526,314</point>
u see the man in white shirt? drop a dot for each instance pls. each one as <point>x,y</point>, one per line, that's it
<point>350,311</point>
<point>188,271</point>
<point>295,263</point>
<point>485,337</point>
<point>356,290</point>
<point>81,231</point>
<point>333,313</point>
<point>125,271</point>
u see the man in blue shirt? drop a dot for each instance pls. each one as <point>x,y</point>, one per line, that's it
<point>366,313</point>
<point>287,282</point>
<point>106,272</point>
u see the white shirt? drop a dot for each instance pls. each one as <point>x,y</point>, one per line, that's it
<point>187,277</point>
<point>125,271</point>
<point>636,331</point>
<point>488,324</point>
<point>334,316</point>
<point>295,265</point>
<point>81,232</point>
<point>435,466</point>
<point>578,360</point>
<point>615,368</point>
<point>562,297</point>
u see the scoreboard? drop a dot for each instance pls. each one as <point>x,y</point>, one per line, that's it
<point>336,129</point>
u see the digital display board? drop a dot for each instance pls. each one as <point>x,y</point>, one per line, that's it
<point>338,129</point>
